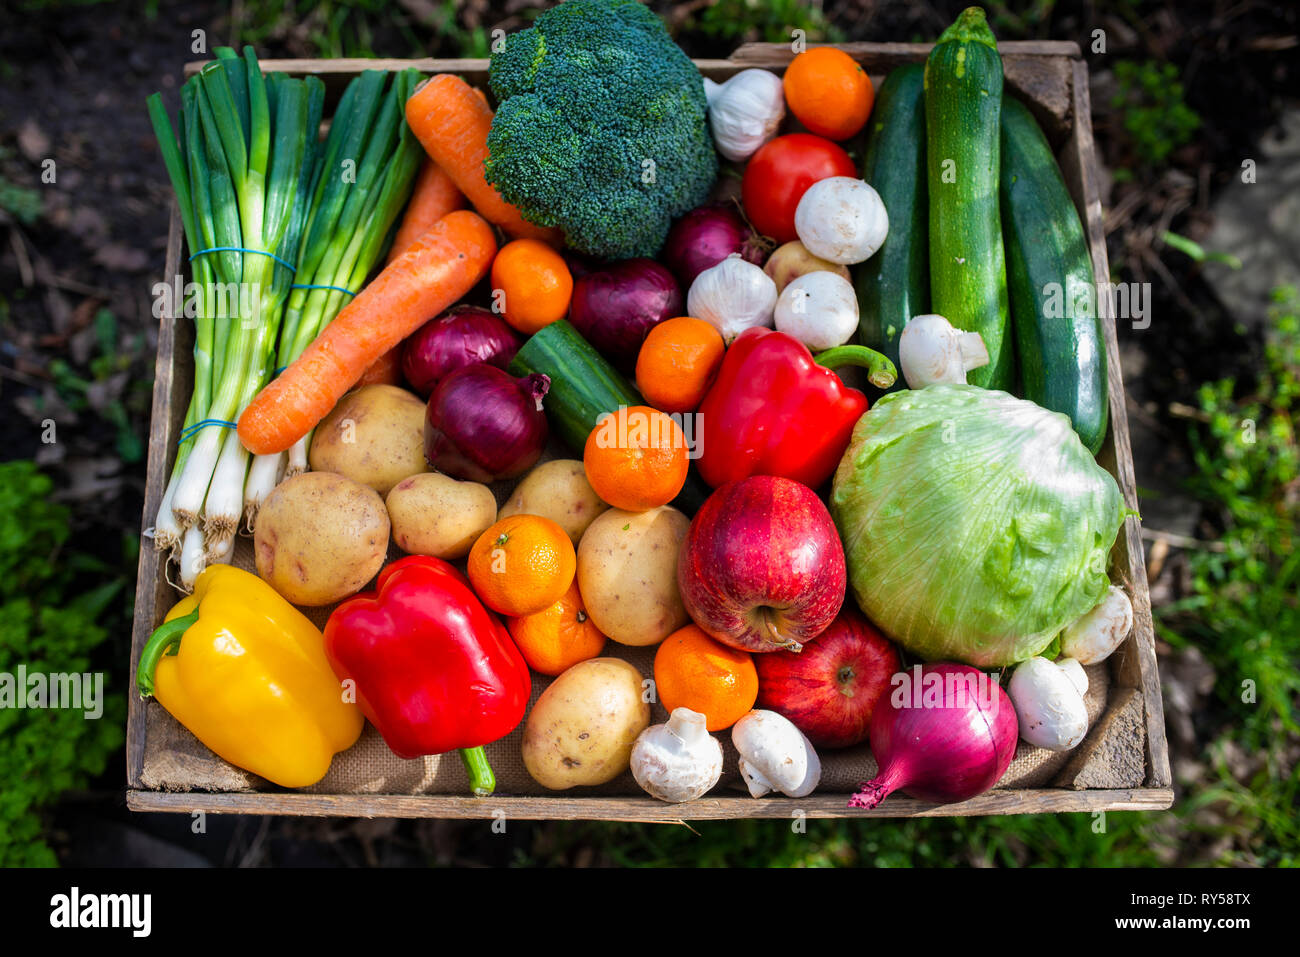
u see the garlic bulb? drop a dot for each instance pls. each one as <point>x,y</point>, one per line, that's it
<point>930,350</point>
<point>842,220</point>
<point>732,296</point>
<point>744,112</point>
<point>677,761</point>
<point>820,309</point>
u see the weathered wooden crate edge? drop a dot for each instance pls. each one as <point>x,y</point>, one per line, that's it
<point>644,810</point>
<point>1054,78</point>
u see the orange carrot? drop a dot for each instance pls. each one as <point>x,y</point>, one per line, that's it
<point>439,268</point>
<point>452,123</point>
<point>433,197</point>
<point>387,369</point>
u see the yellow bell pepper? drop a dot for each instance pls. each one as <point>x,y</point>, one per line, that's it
<point>246,672</point>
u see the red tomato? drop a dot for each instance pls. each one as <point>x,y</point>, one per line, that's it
<point>780,173</point>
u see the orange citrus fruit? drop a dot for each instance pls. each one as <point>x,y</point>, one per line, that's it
<point>556,638</point>
<point>636,458</point>
<point>694,671</point>
<point>678,362</point>
<point>534,282</point>
<point>522,564</point>
<point>829,92</point>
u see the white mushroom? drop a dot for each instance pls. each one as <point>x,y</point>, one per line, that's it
<point>1049,705</point>
<point>930,351</point>
<point>841,219</point>
<point>1098,633</point>
<point>1074,671</point>
<point>677,761</point>
<point>775,755</point>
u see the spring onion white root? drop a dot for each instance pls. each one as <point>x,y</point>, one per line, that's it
<point>192,558</point>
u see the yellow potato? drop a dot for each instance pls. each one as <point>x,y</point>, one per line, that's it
<point>557,490</point>
<point>627,574</point>
<point>582,729</point>
<point>320,537</point>
<point>434,514</point>
<point>375,436</point>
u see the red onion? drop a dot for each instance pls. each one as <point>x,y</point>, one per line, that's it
<point>952,738</point>
<point>483,424</point>
<point>706,236</point>
<point>616,307</point>
<point>460,337</point>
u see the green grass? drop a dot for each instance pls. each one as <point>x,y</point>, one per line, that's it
<point>1123,839</point>
<point>1244,613</point>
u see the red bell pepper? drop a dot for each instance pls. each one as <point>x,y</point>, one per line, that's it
<point>434,670</point>
<point>774,409</point>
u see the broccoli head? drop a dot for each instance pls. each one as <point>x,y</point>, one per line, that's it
<point>600,127</point>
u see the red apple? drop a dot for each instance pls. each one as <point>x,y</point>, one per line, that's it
<point>761,567</point>
<point>830,689</point>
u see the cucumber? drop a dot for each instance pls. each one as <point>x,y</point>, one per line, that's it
<point>1061,352</point>
<point>963,101</point>
<point>894,284</point>
<point>584,386</point>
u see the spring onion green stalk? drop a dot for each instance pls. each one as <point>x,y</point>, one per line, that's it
<point>366,172</point>
<point>168,531</point>
<point>249,154</point>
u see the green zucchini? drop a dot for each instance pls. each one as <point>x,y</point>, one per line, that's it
<point>1060,350</point>
<point>584,386</point>
<point>894,284</point>
<point>963,100</point>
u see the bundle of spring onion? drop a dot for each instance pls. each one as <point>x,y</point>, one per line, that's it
<point>267,210</point>
<point>373,157</point>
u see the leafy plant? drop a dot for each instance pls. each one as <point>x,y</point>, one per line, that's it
<point>1244,609</point>
<point>113,361</point>
<point>770,20</point>
<point>20,203</point>
<point>1198,253</point>
<point>47,625</point>
<point>1150,97</point>
<point>349,28</point>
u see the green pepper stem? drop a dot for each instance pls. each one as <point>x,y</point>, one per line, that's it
<point>481,779</point>
<point>880,371</point>
<point>165,641</point>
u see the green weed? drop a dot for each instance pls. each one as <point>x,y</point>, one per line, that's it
<point>51,620</point>
<point>1244,609</point>
<point>772,21</point>
<point>115,357</point>
<point>1156,120</point>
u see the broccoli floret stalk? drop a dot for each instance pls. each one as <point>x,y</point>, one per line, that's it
<point>600,129</point>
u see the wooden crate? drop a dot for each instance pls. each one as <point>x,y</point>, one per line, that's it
<point>1053,79</point>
